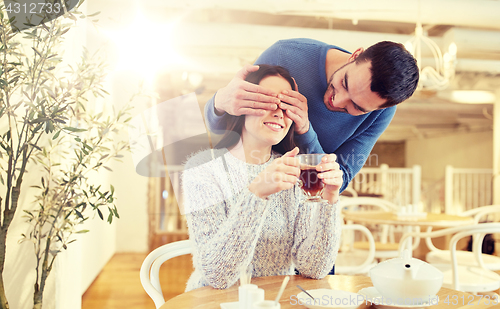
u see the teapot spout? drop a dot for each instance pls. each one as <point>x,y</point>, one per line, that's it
<point>410,271</point>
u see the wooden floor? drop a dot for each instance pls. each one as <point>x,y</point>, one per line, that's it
<point>118,285</point>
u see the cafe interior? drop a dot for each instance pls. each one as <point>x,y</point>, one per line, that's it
<point>433,170</point>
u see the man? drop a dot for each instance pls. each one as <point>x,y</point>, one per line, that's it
<point>344,101</point>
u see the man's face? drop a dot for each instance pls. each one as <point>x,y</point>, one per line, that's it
<point>349,90</point>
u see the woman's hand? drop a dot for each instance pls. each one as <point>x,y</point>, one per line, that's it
<point>331,174</point>
<point>281,174</point>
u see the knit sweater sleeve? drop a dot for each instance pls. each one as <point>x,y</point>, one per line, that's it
<point>224,231</point>
<point>316,238</point>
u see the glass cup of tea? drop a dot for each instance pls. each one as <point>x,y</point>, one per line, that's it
<point>311,185</point>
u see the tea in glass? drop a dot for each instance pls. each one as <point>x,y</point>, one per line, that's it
<point>310,183</point>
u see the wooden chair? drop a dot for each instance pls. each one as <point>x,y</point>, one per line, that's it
<point>491,262</point>
<point>349,192</point>
<point>385,244</point>
<point>467,278</point>
<point>355,262</point>
<point>150,269</point>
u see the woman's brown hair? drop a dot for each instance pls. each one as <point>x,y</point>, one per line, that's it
<point>235,124</point>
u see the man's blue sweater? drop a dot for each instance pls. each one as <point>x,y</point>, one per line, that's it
<point>351,138</point>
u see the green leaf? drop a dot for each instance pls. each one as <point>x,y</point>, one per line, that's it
<point>83,231</point>
<point>29,213</point>
<point>116,212</point>
<point>79,214</point>
<point>35,146</point>
<point>36,51</point>
<point>74,129</point>
<point>38,128</point>
<point>94,14</point>
<point>100,214</point>
<point>56,135</point>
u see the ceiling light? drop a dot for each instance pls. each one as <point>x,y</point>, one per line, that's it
<point>435,77</point>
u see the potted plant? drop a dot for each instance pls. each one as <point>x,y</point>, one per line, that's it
<point>48,127</point>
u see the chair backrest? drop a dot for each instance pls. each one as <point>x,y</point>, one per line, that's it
<point>467,188</point>
<point>480,212</point>
<point>370,258</point>
<point>150,269</point>
<point>350,202</point>
<point>459,233</point>
<point>477,214</point>
<point>350,191</point>
<point>398,185</point>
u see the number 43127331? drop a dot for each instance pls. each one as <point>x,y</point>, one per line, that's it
<point>471,300</point>
<point>34,8</point>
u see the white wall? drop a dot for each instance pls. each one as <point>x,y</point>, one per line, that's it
<point>131,188</point>
<point>466,150</point>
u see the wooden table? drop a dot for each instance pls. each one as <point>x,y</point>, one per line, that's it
<point>383,217</point>
<point>210,298</point>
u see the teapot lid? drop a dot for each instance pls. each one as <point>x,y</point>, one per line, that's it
<point>398,268</point>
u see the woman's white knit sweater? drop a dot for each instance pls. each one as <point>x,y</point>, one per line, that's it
<point>232,228</point>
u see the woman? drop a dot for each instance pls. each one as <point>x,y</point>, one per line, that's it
<point>244,209</point>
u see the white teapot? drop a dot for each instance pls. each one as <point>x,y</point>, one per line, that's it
<point>406,278</point>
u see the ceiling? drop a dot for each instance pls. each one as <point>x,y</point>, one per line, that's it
<point>220,36</point>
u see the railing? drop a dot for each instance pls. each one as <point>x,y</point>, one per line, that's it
<point>467,188</point>
<point>398,185</point>
<point>165,210</point>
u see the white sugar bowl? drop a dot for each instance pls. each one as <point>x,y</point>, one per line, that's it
<point>405,278</point>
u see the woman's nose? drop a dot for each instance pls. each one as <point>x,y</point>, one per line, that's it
<point>278,113</point>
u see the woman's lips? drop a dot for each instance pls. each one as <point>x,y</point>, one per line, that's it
<point>274,126</point>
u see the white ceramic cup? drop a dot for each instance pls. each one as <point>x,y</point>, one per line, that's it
<point>254,296</point>
<point>266,304</point>
<point>243,295</point>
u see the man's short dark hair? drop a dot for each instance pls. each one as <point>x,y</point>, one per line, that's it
<point>394,71</point>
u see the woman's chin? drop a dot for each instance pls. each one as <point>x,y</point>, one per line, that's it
<point>277,141</point>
